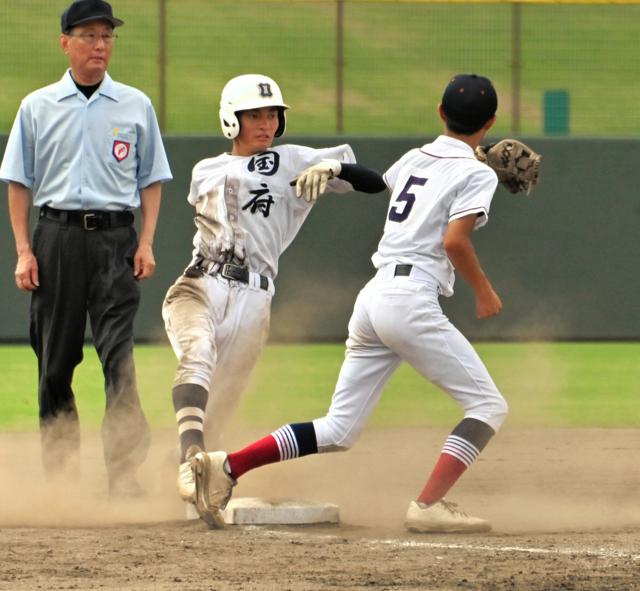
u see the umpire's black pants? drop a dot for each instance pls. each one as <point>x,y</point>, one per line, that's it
<point>84,271</point>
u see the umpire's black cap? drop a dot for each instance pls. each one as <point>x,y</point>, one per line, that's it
<point>469,101</point>
<point>83,11</point>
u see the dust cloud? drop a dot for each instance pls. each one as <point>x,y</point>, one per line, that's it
<point>527,480</point>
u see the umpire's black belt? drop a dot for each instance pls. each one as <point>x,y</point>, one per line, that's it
<point>229,271</point>
<point>88,219</point>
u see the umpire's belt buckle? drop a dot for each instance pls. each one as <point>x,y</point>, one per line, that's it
<point>90,221</point>
<point>235,272</point>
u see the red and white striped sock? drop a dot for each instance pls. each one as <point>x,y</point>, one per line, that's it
<point>288,442</point>
<point>261,452</point>
<point>457,455</point>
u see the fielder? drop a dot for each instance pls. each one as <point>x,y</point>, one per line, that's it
<point>440,194</point>
<point>247,212</point>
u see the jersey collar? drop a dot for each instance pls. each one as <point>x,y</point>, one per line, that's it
<point>448,147</point>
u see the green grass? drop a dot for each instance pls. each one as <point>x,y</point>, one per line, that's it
<point>397,57</point>
<point>546,384</point>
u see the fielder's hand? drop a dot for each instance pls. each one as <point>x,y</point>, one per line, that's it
<point>488,304</point>
<point>515,163</point>
<point>312,182</point>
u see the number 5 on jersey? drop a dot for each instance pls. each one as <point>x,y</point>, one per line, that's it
<point>403,204</point>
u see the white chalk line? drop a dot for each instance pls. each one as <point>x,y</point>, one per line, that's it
<point>395,543</point>
<point>588,552</point>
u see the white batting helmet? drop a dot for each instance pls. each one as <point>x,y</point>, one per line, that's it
<point>249,91</point>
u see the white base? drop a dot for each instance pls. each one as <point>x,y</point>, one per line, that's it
<point>259,511</point>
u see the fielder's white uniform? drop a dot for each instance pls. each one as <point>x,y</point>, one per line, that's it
<point>398,317</point>
<point>247,214</point>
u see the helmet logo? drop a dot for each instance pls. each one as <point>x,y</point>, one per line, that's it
<point>265,89</point>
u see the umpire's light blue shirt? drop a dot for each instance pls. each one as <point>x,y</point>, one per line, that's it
<point>79,153</point>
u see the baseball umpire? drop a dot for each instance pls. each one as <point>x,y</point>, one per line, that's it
<point>247,212</point>
<point>86,151</point>
<point>440,193</point>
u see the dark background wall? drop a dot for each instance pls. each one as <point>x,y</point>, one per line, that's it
<point>564,260</point>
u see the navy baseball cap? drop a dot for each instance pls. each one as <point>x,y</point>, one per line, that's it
<point>469,101</point>
<point>82,11</point>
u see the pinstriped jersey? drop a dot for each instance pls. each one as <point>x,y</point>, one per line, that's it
<point>430,187</point>
<point>247,212</point>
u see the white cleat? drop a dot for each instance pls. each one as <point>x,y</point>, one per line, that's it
<point>213,486</point>
<point>186,482</point>
<point>442,517</point>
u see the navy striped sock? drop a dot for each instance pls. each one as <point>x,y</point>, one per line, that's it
<point>296,440</point>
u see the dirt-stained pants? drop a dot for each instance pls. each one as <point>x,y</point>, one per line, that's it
<point>217,329</point>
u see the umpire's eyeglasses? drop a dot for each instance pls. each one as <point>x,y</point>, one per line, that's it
<point>93,38</point>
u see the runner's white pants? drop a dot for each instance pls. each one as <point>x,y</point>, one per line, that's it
<point>396,319</point>
<point>217,329</point>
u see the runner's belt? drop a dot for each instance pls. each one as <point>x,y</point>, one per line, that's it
<point>228,271</point>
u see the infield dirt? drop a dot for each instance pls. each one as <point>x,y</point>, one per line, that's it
<point>564,505</point>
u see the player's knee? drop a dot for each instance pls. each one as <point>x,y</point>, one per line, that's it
<point>497,412</point>
<point>334,435</point>
<point>196,360</point>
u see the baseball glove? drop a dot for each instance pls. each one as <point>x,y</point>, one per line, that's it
<point>515,163</point>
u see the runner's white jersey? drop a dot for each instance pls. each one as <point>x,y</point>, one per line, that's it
<point>247,210</point>
<point>431,186</point>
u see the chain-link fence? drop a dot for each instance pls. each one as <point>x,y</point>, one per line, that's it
<point>355,66</point>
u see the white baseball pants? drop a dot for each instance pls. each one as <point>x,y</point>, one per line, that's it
<point>217,329</point>
<point>396,319</point>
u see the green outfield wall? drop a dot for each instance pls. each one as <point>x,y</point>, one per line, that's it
<point>564,260</point>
